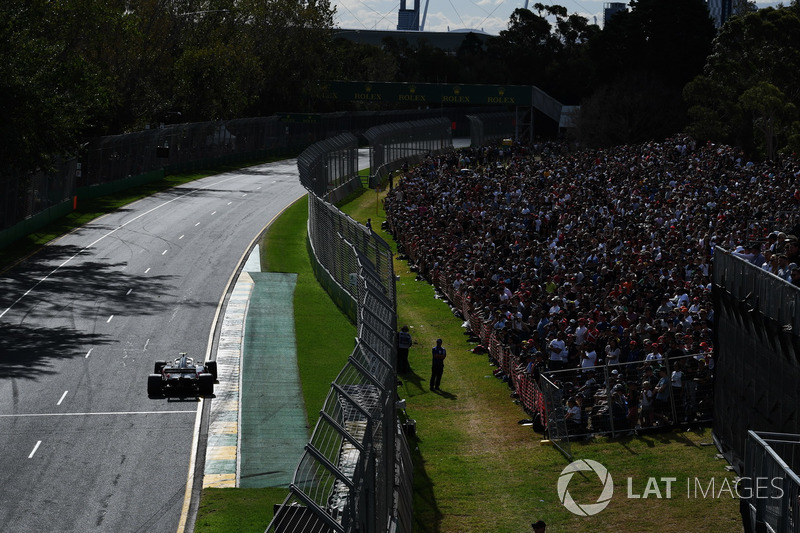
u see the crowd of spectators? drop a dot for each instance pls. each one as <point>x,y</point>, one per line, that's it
<point>603,257</point>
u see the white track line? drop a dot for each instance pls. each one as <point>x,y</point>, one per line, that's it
<point>38,443</point>
<point>109,413</point>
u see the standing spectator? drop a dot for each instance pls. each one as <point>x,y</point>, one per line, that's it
<point>437,369</point>
<point>588,356</point>
<point>554,348</point>
<point>646,404</point>
<point>677,390</point>
<point>404,342</point>
<point>662,410</point>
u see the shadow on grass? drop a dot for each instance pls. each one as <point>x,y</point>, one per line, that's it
<point>651,437</point>
<point>427,516</point>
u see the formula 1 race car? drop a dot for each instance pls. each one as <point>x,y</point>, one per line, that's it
<point>181,378</point>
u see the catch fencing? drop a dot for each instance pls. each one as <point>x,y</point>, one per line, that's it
<point>327,165</point>
<point>349,477</point>
<point>393,145</point>
<point>117,162</point>
<point>491,127</point>
<point>356,472</point>
<point>328,229</point>
<point>769,484</point>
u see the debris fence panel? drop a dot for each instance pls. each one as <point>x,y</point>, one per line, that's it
<point>757,329</point>
<point>393,145</point>
<point>356,472</point>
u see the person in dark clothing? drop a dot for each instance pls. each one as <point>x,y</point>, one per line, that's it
<point>403,344</point>
<point>439,353</point>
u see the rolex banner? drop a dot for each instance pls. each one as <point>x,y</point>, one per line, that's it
<point>431,93</point>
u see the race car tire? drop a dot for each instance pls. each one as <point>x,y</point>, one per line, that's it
<point>159,366</point>
<point>211,368</point>
<point>205,385</point>
<point>154,386</point>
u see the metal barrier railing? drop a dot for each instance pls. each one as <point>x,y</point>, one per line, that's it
<point>612,399</point>
<point>770,485</point>
<point>757,346</point>
<point>556,422</point>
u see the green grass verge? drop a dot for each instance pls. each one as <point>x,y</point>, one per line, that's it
<point>324,335</point>
<point>232,510</point>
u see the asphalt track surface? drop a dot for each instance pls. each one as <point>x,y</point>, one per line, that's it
<point>82,447</point>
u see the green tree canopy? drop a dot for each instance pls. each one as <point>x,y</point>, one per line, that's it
<point>756,55</point>
<point>653,50</point>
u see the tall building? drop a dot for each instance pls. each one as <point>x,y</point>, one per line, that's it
<point>612,8</point>
<point>720,10</point>
<point>408,19</point>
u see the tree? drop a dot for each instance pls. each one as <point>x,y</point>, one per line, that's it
<point>293,42</point>
<point>50,90</point>
<point>656,47</point>
<point>217,73</point>
<point>772,113</point>
<point>750,51</point>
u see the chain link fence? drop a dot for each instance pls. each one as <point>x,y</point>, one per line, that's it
<point>117,162</point>
<point>770,486</point>
<point>327,165</point>
<point>393,145</point>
